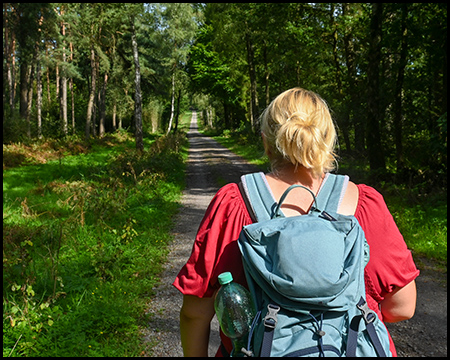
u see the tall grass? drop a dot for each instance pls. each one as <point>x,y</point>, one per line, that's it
<point>84,240</point>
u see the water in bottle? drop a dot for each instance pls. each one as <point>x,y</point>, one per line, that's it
<point>235,311</point>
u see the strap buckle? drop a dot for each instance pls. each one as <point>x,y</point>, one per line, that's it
<point>368,314</point>
<point>270,320</point>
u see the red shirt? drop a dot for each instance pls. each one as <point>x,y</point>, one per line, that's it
<point>215,249</point>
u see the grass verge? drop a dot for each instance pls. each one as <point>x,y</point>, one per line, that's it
<point>85,236</point>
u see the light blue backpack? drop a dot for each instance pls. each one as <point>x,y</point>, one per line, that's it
<point>306,277</point>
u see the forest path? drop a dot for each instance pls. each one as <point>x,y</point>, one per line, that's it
<point>425,334</point>
<point>210,164</point>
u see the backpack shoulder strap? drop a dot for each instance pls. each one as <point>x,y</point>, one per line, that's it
<point>259,196</point>
<point>331,192</point>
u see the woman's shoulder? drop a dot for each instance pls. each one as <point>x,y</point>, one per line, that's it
<point>372,209</point>
<point>349,202</point>
<point>228,200</point>
<point>358,197</point>
<point>230,187</point>
<point>228,193</point>
<point>369,197</point>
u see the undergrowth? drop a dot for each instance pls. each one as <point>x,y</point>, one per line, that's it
<point>85,230</point>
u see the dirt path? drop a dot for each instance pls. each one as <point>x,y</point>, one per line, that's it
<point>209,165</point>
<point>425,335</point>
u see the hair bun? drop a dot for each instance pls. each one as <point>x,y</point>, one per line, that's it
<point>302,122</point>
<point>298,128</point>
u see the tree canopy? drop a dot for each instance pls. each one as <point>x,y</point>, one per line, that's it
<point>381,67</point>
<point>71,68</point>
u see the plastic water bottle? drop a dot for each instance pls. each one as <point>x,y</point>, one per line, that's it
<point>235,312</point>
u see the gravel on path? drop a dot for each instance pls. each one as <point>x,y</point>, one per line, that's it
<point>209,164</point>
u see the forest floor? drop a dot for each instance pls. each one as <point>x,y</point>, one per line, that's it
<point>210,166</point>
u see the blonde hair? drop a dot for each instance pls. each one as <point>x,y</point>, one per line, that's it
<point>299,130</point>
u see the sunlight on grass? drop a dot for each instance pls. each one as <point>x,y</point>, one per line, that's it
<point>424,227</point>
<point>84,240</point>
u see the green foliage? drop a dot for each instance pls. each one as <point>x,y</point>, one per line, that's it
<point>421,216</point>
<point>163,38</point>
<point>325,47</point>
<point>85,237</point>
<point>14,129</point>
<point>207,69</point>
<point>423,225</point>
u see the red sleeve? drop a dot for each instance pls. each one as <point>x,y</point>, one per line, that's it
<point>215,249</point>
<point>391,263</point>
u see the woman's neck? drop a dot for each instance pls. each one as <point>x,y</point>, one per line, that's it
<point>297,202</point>
<point>291,174</point>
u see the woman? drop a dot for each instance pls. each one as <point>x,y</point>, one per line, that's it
<point>299,138</point>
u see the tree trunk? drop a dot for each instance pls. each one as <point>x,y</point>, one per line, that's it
<point>30,99</point>
<point>172,103</point>
<point>376,155</point>
<point>137,94</point>
<point>49,98</point>
<point>95,109</point>
<point>39,93</point>
<point>114,114</point>
<point>252,74</point>
<point>13,70</point>
<point>210,116</point>
<point>57,82</point>
<point>398,91</point>
<point>91,95</point>
<point>103,107</point>
<point>63,94</point>
<point>23,89</point>
<point>95,105</point>
<point>63,104</point>
<point>177,110</point>
<point>71,91</point>
<point>7,56</point>
<point>73,104</point>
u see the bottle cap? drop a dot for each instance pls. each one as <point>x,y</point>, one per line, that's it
<point>225,278</point>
